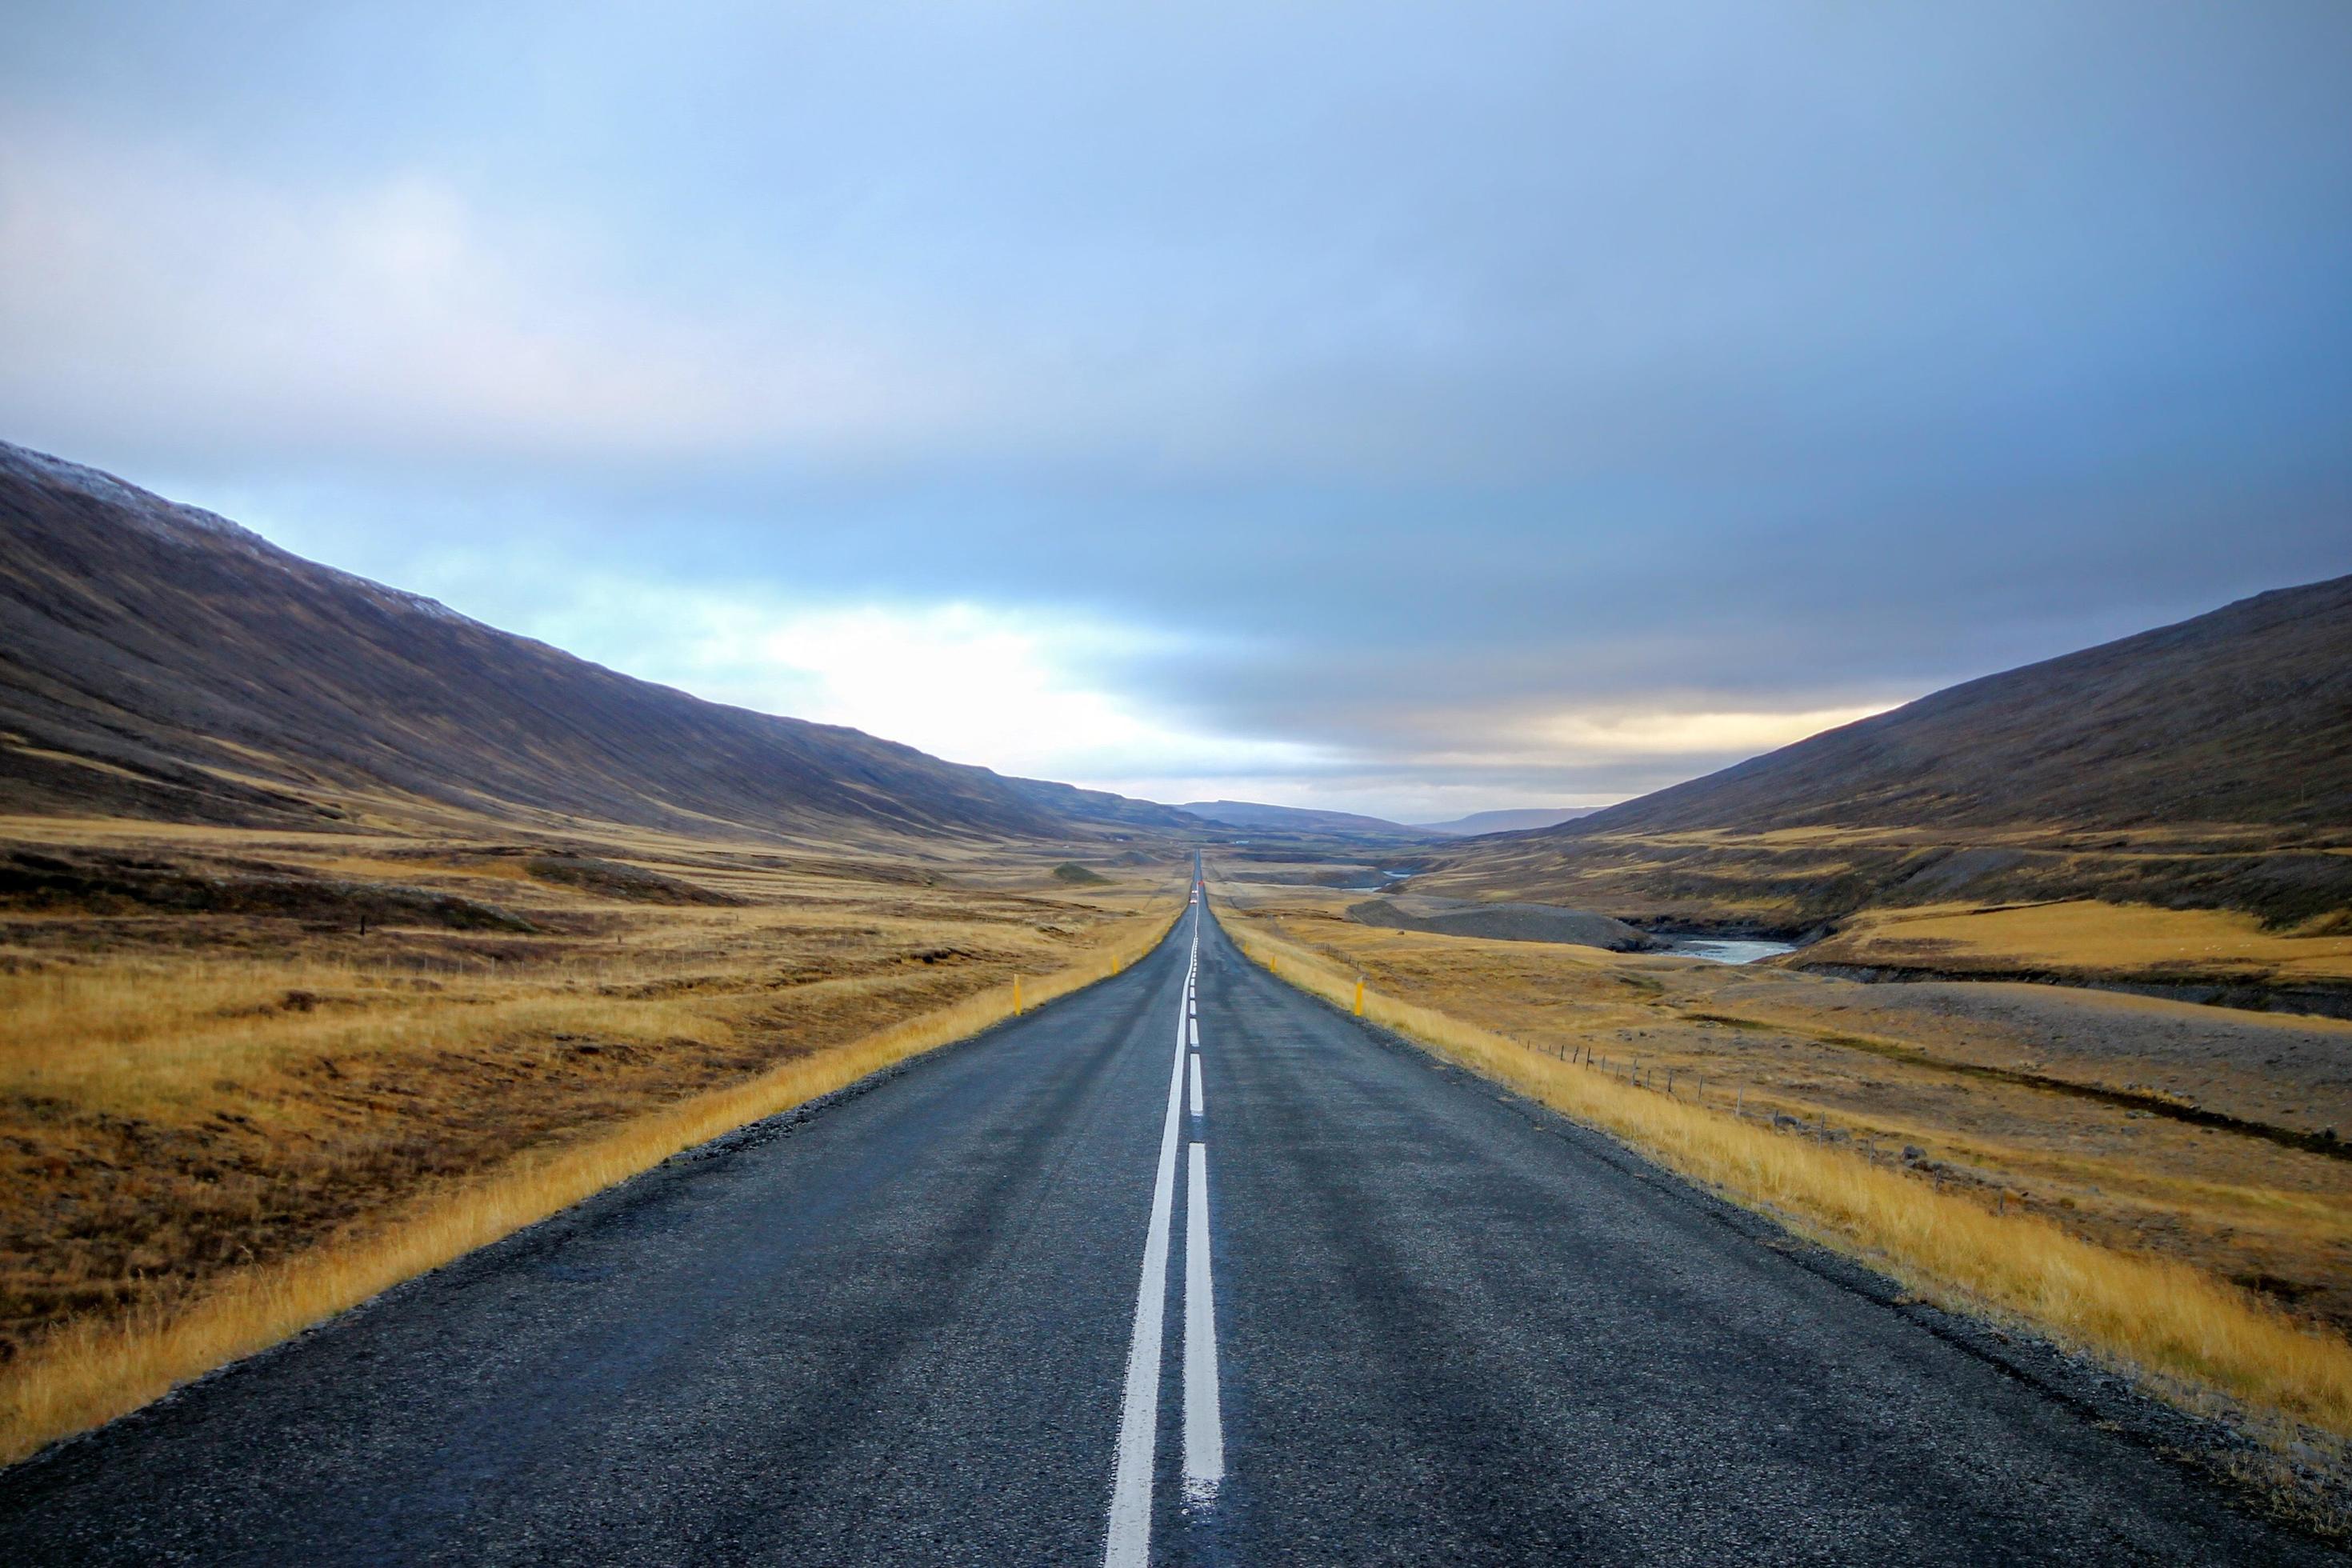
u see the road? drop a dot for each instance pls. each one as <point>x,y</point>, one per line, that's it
<point>969,1317</point>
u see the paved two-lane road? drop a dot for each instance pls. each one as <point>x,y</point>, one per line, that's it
<point>967,1317</point>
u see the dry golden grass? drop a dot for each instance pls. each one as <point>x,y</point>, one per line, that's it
<point>96,1369</point>
<point>2188,1334</point>
<point>1807,880</point>
<point>217,1125</point>
<point>2075,1104</point>
<point>2083,934</point>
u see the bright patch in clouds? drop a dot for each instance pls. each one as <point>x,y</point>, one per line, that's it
<point>1037,693</point>
<point>1635,733</point>
<point>1010,689</point>
<point>960,680</point>
<point>1051,692</point>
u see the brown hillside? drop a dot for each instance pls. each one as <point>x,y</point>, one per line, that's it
<point>2240,716</point>
<point>2207,764</point>
<point>159,662</point>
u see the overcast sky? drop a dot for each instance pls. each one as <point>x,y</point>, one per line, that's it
<point>1409,409</point>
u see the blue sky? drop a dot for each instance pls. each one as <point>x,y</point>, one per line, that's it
<point>1410,409</point>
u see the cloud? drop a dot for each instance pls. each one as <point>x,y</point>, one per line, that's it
<point>1043,693</point>
<point>1391,404</point>
<point>1037,693</point>
<point>1582,739</point>
<point>393,317</point>
<point>965,681</point>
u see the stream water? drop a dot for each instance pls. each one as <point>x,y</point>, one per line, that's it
<point>1726,949</point>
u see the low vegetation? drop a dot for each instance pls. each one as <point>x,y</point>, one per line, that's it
<point>2080,939</point>
<point>2206,765</point>
<point>218,1125</point>
<point>1935,1223</point>
<point>1800,882</point>
<point>2210,1135</point>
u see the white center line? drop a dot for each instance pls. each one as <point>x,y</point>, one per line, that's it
<point>1127,1542</point>
<point>1204,1427</point>
<point>1196,1089</point>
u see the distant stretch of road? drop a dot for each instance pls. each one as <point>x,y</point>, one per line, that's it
<point>1185,1269</point>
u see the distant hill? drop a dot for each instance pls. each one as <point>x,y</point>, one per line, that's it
<point>1522,821</point>
<point>2244,715</point>
<point>2202,764</point>
<point>1502,922</point>
<point>1293,819</point>
<point>1299,819</point>
<point>158,660</point>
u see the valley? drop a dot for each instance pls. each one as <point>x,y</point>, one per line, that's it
<point>323,981</point>
<point>232,1053</point>
<point>1175,787</point>
<point>2066,1100</point>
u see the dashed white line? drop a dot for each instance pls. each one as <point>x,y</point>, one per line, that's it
<point>1204,1427</point>
<point>1128,1541</point>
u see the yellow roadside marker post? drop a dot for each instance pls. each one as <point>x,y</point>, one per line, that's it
<point>1359,995</point>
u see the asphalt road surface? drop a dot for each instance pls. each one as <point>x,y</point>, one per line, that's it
<point>1077,1293</point>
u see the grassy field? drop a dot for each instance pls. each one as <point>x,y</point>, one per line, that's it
<point>2215,1263</point>
<point>2269,902</point>
<point>2082,937</point>
<point>251,1079</point>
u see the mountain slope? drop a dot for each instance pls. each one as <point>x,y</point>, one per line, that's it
<point>1524,820</point>
<point>2202,765</point>
<point>2244,715</point>
<point>1292,818</point>
<point>158,660</point>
